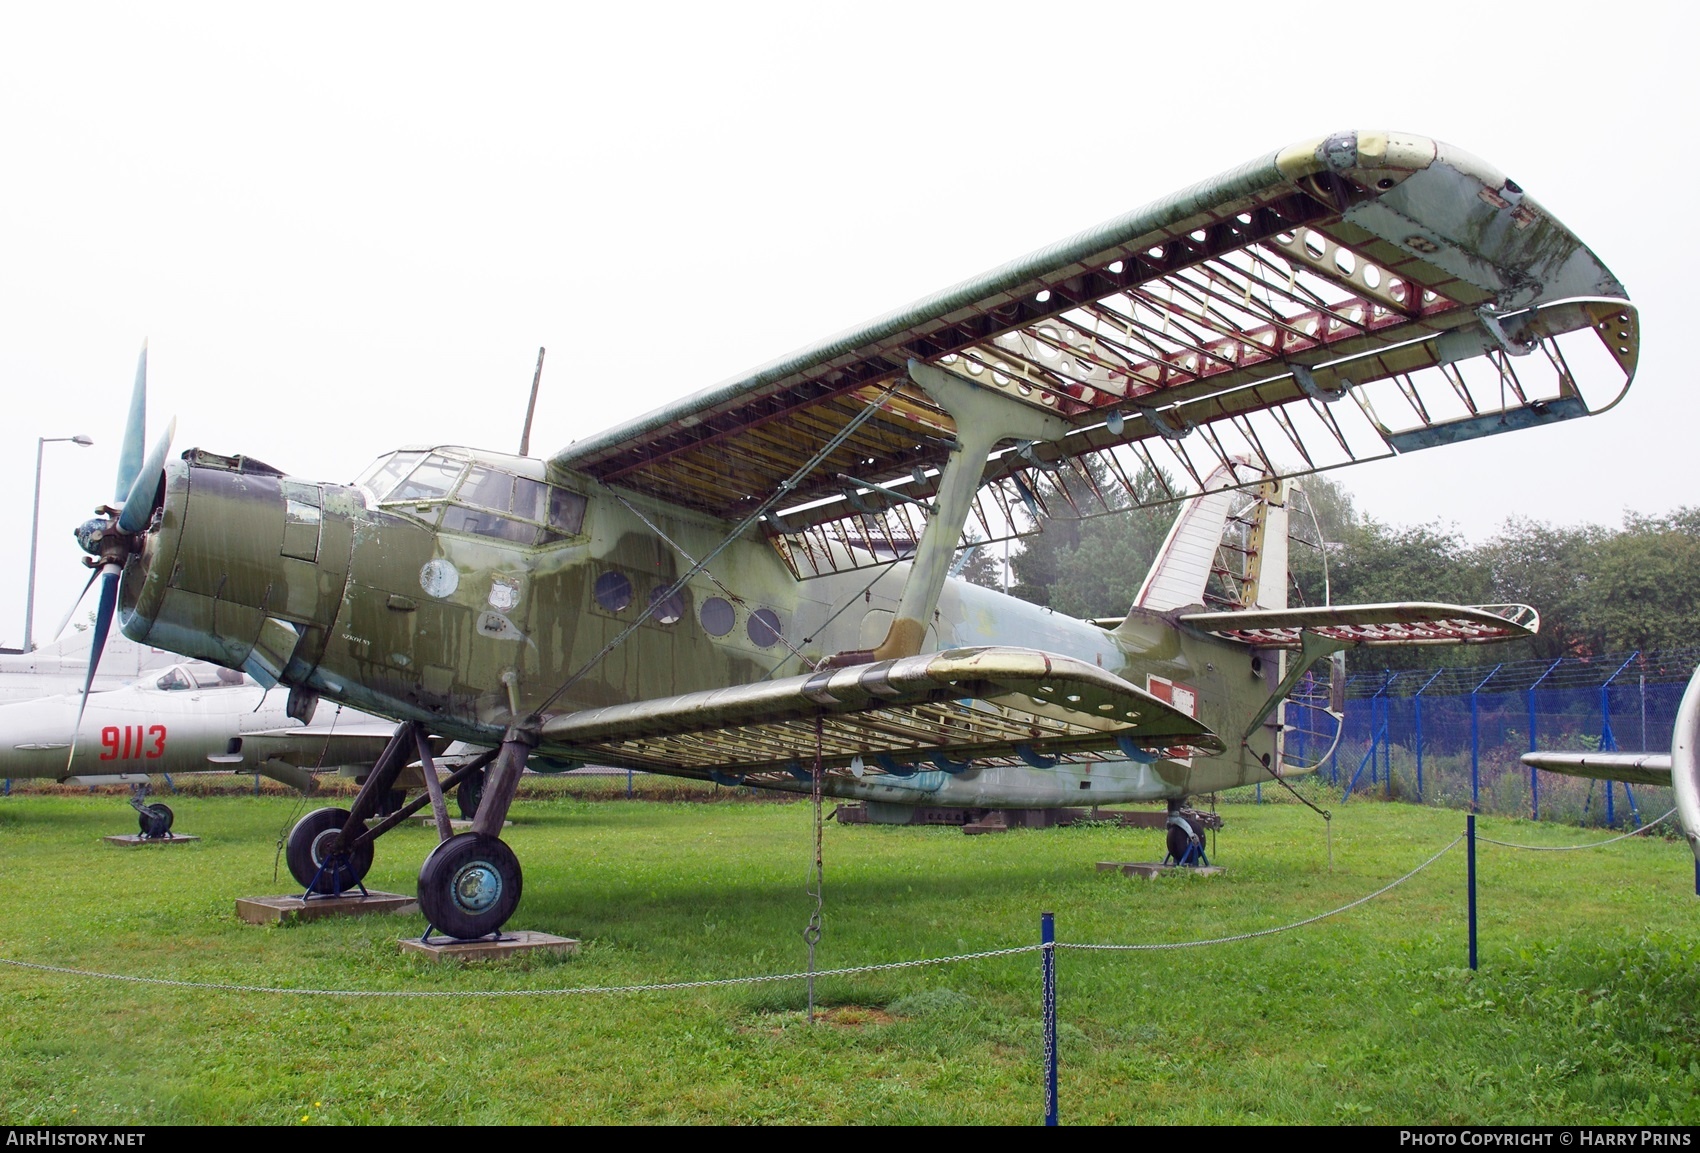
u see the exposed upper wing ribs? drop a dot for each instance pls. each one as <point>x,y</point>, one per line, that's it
<point>963,704</point>
<point>1335,302</point>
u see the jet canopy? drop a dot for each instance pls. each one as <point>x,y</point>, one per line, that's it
<point>199,675</point>
<point>459,490</point>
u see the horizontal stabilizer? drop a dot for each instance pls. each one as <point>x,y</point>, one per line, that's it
<point>1633,768</point>
<point>1404,623</point>
<point>975,704</point>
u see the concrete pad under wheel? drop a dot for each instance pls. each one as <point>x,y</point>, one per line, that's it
<point>512,943</point>
<point>1153,869</point>
<point>456,823</point>
<point>276,910</point>
<point>129,839</point>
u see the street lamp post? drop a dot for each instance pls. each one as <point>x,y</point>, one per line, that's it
<point>41,442</point>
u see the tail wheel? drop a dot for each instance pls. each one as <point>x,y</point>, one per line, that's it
<point>309,851</point>
<point>469,886</point>
<point>469,793</point>
<point>155,820</point>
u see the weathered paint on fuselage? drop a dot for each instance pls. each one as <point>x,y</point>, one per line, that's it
<point>471,634</point>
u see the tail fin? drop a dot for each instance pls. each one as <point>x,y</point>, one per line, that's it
<point>1226,549</point>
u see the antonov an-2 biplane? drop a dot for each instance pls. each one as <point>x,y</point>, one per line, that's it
<point>710,590</point>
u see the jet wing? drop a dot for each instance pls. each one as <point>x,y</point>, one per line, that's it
<point>1340,300</point>
<point>987,705</point>
<point>1635,768</point>
<point>1407,623</point>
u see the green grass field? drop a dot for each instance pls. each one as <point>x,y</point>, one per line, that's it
<point>1584,1009</point>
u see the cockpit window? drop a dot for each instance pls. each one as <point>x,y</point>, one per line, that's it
<point>384,475</point>
<point>174,680</point>
<point>481,498</point>
<point>431,480</point>
<point>566,513</point>
<point>457,519</point>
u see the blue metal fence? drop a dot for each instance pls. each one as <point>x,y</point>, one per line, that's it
<point>1452,736</point>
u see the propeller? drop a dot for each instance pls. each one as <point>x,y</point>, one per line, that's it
<point>112,536</point>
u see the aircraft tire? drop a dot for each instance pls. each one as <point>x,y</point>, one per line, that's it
<point>469,793</point>
<point>308,843</point>
<point>469,886</point>
<point>391,802</point>
<point>155,820</point>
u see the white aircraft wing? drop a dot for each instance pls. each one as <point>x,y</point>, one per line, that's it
<point>1403,623</point>
<point>1635,768</point>
<point>988,705</point>
<point>1344,299</point>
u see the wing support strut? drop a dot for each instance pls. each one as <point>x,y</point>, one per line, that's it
<point>1312,648</point>
<point>983,419</point>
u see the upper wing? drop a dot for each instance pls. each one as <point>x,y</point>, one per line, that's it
<point>1636,768</point>
<point>1408,623</point>
<point>987,705</point>
<point>1339,300</point>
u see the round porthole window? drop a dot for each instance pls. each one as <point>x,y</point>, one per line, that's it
<point>668,609</point>
<point>718,617</point>
<point>613,591</point>
<point>763,627</point>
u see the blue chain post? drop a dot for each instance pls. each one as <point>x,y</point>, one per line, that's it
<point>1470,856</point>
<point>1048,938</point>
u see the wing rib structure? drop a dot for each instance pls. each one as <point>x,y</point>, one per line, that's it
<point>1345,299</point>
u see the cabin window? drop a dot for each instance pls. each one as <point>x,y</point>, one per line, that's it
<point>718,617</point>
<point>763,628</point>
<point>668,609</point>
<point>613,591</point>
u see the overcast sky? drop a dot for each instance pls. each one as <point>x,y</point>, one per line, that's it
<point>346,227</point>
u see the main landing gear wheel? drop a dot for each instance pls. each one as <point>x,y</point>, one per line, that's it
<point>391,802</point>
<point>469,886</point>
<point>470,792</point>
<point>155,820</point>
<point>308,852</point>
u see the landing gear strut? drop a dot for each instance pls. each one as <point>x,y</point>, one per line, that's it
<point>470,884</point>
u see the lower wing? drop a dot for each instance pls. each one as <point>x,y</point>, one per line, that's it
<point>986,705</point>
<point>1633,768</point>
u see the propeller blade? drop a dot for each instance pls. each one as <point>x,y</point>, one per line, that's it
<point>72,611</point>
<point>135,430</point>
<point>102,626</point>
<point>139,502</point>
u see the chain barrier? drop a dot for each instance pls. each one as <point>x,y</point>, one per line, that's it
<point>1570,848</point>
<point>1278,929</point>
<point>583,990</point>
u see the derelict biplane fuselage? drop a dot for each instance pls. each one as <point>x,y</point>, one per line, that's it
<point>712,590</point>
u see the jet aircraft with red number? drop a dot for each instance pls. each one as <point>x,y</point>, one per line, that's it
<point>192,717</point>
<point>750,583</point>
